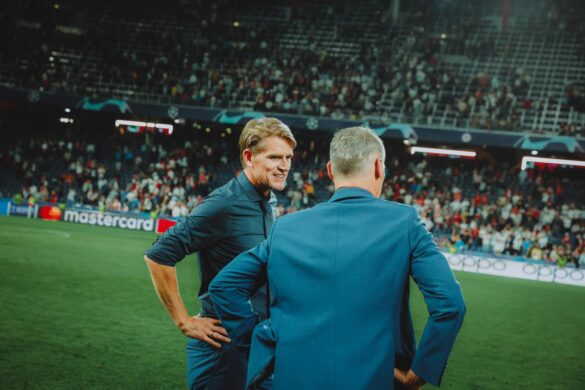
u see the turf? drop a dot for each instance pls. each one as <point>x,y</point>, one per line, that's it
<point>77,310</point>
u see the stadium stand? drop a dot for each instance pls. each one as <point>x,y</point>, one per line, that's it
<point>450,64</point>
<point>445,64</point>
<point>486,206</point>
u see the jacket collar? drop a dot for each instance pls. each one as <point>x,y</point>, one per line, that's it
<point>249,189</point>
<point>350,192</point>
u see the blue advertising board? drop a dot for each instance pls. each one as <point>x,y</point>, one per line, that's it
<point>4,205</point>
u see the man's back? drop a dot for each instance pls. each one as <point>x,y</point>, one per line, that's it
<point>338,273</point>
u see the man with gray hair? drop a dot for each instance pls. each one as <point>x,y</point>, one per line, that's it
<point>339,287</point>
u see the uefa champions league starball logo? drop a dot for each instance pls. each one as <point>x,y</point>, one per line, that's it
<point>312,123</point>
<point>34,96</point>
<point>173,112</point>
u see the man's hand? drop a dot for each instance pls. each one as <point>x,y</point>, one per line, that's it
<point>409,379</point>
<point>205,329</point>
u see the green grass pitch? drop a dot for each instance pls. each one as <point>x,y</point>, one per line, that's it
<point>78,311</point>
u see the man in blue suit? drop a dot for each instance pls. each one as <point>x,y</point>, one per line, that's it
<point>339,287</point>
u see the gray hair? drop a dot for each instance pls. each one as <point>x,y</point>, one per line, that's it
<point>353,150</point>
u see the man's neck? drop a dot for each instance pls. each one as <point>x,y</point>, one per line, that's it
<point>363,184</point>
<point>263,192</point>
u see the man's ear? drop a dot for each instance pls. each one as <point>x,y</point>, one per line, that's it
<point>330,171</point>
<point>378,168</point>
<point>247,156</point>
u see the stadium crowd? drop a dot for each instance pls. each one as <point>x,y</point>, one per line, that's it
<point>495,208</point>
<point>224,61</point>
<point>230,64</point>
<point>469,206</point>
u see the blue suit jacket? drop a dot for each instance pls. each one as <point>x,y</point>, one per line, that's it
<point>339,276</point>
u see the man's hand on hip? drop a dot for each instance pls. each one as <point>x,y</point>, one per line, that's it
<point>205,329</point>
<point>408,379</point>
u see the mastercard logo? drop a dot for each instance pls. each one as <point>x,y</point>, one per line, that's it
<point>50,213</point>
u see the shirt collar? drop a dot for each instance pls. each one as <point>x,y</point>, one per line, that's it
<point>249,189</point>
<point>350,192</point>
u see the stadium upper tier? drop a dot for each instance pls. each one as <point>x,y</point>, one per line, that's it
<point>439,63</point>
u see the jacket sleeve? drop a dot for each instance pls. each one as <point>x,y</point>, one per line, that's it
<point>444,300</point>
<point>231,289</point>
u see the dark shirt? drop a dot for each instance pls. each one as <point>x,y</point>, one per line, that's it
<point>231,220</point>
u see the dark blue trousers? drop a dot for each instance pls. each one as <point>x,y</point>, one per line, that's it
<point>216,369</point>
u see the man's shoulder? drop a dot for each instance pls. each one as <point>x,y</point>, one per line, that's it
<point>380,205</point>
<point>226,189</point>
<point>236,190</point>
<point>300,216</point>
<point>395,206</point>
<point>219,199</point>
<point>228,192</point>
<point>317,211</point>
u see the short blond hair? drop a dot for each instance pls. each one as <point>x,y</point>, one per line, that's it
<point>257,130</point>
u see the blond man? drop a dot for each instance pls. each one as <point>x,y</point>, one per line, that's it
<point>231,220</point>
